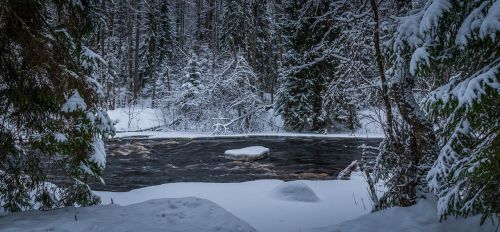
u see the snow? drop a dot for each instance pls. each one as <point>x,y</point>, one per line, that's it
<point>74,103</point>
<point>135,118</point>
<point>417,218</point>
<point>195,135</point>
<point>247,153</point>
<point>60,137</point>
<point>295,191</point>
<point>408,30</point>
<point>134,121</point>
<point>266,205</point>
<point>420,54</point>
<point>255,202</point>
<point>433,12</point>
<point>470,89</point>
<point>491,23</point>
<point>346,173</point>
<point>471,23</point>
<point>89,57</point>
<point>179,215</point>
<point>99,153</point>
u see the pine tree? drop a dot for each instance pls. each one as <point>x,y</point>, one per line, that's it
<point>52,117</point>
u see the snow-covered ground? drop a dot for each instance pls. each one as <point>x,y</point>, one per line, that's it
<point>263,205</point>
<point>418,218</point>
<point>132,121</point>
<point>175,215</point>
<point>247,153</point>
<point>135,118</point>
<point>268,205</point>
<point>194,135</point>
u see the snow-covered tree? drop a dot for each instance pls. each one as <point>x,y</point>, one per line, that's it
<point>457,43</point>
<point>306,70</point>
<point>52,119</point>
<point>452,48</point>
<point>190,98</point>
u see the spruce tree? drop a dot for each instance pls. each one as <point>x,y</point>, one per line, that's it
<point>305,72</point>
<point>466,106</point>
<point>52,117</point>
<point>456,43</point>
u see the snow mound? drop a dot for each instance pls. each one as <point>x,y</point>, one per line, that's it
<point>416,218</point>
<point>135,118</point>
<point>295,191</point>
<point>247,153</point>
<point>176,214</point>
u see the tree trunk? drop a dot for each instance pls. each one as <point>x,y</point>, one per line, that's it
<point>381,70</point>
<point>137,81</point>
<point>130,26</point>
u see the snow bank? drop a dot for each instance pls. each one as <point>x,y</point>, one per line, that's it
<point>417,218</point>
<point>194,135</point>
<point>130,122</point>
<point>295,191</point>
<point>135,118</point>
<point>247,153</point>
<point>180,215</point>
<point>254,203</point>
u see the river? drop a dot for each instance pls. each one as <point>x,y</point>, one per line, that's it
<point>134,162</point>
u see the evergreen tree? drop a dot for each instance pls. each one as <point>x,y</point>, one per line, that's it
<point>238,22</point>
<point>458,45</point>
<point>190,100</point>
<point>306,71</point>
<point>52,119</point>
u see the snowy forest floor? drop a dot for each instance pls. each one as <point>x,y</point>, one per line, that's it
<point>149,122</point>
<point>264,205</point>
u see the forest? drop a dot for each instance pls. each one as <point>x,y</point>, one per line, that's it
<point>428,68</point>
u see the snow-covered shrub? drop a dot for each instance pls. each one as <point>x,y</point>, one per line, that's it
<point>225,100</point>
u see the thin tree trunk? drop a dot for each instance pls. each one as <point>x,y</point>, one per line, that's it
<point>130,26</point>
<point>137,81</point>
<point>380,66</point>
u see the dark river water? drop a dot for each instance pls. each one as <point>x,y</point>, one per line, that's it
<point>135,163</point>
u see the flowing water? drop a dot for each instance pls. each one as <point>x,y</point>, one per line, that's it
<point>135,162</point>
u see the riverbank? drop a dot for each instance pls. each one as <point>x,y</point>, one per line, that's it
<point>326,206</point>
<point>201,135</point>
<point>256,203</point>
<point>149,123</point>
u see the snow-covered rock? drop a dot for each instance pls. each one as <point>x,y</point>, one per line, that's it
<point>178,214</point>
<point>295,191</point>
<point>247,153</point>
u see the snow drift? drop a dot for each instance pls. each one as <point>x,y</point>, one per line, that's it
<point>174,215</point>
<point>295,191</point>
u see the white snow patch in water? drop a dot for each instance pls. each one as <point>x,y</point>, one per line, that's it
<point>247,153</point>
